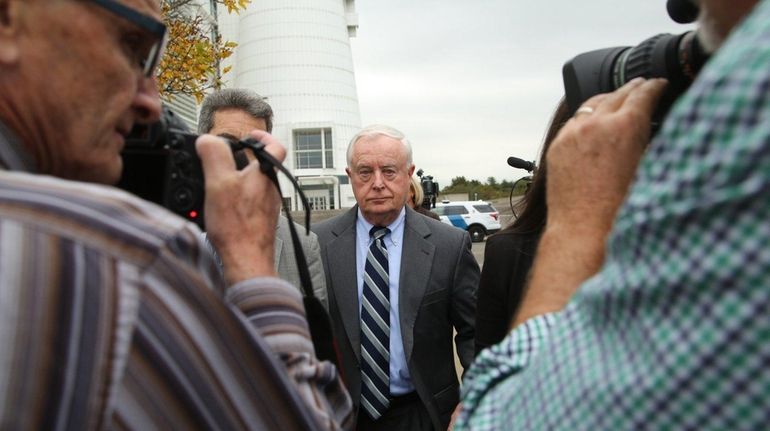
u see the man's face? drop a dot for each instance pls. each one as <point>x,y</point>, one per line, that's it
<point>380,176</point>
<point>81,86</point>
<point>235,124</point>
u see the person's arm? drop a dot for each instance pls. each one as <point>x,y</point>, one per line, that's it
<point>274,307</point>
<point>590,167</point>
<point>463,309</point>
<point>241,207</point>
<point>316,268</point>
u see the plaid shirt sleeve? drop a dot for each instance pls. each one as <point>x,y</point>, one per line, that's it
<point>496,367</point>
<point>673,332</point>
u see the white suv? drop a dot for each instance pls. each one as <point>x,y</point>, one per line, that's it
<point>479,218</point>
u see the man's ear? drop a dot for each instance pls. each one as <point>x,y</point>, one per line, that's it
<point>10,11</point>
<point>411,167</point>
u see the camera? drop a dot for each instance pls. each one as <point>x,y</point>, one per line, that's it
<point>160,165</point>
<point>678,58</point>
<point>429,189</point>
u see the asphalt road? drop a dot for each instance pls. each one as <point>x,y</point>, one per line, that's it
<point>478,251</point>
<point>506,216</point>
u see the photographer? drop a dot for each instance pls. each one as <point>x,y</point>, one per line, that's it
<point>111,313</point>
<point>670,332</point>
<point>416,198</point>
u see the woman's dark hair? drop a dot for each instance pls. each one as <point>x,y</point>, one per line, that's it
<point>531,208</point>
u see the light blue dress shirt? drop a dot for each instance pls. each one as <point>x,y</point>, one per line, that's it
<point>400,379</point>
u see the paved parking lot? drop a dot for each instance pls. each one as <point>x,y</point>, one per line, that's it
<point>478,251</point>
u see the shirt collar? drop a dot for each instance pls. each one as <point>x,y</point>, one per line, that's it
<point>365,226</point>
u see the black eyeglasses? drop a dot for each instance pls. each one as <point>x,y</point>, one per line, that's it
<point>146,23</point>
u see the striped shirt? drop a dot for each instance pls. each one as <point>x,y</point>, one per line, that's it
<point>673,333</point>
<point>113,315</point>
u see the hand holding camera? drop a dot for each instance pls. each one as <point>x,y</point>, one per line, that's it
<point>241,207</point>
<point>608,135</point>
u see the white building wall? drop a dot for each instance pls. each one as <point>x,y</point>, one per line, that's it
<point>297,54</point>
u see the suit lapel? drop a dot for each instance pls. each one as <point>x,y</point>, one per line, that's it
<point>416,262</point>
<point>341,255</point>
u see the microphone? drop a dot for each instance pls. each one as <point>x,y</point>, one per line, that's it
<point>682,11</point>
<point>518,163</point>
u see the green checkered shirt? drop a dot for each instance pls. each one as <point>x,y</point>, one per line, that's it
<point>674,331</point>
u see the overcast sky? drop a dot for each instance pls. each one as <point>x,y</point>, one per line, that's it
<point>473,82</point>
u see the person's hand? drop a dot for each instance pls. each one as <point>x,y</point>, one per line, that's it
<point>241,208</point>
<point>455,416</point>
<point>591,164</point>
<point>593,159</point>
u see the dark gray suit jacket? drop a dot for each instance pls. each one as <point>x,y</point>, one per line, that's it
<point>286,265</point>
<point>284,259</point>
<point>437,291</point>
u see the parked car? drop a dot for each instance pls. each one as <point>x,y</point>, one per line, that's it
<point>479,218</point>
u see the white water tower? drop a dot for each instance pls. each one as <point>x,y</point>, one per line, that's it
<point>297,54</point>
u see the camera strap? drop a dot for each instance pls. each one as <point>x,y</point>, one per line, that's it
<point>318,320</point>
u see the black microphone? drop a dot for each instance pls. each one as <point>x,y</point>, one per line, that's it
<point>518,163</point>
<point>682,11</point>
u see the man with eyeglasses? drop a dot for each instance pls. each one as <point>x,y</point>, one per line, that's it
<point>112,313</point>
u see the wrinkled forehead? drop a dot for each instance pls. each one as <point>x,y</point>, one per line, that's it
<point>379,149</point>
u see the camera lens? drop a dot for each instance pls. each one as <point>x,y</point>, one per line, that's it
<point>662,56</point>
<point>678,58</point>
<point>639,61</point>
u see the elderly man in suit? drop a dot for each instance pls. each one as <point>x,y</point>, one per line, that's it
<point>233,113</point>
<point>399,283</point>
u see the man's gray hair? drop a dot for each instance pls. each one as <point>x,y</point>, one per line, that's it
<point>380,130</point>
<point>234,98</point>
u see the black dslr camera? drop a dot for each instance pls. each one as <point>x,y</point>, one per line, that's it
<point>678,58</point>
<point>160,165</point>
<point>429,190</point>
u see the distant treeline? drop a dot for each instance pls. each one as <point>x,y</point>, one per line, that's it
<point>492,189</point>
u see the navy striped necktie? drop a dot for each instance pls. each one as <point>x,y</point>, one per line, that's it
<point>375,328</point>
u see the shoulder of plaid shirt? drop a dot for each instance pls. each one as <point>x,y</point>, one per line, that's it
<point>672,332</point>
<point>113,315</point>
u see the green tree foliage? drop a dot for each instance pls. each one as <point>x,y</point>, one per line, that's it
<point>492,189</point>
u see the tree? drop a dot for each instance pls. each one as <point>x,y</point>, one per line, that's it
<point>458,181</point>
<point>195,49</point>
<point>476,190</point>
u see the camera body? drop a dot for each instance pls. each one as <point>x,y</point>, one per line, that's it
<point>430,190</point>
<point>160,165</point>
<point>678,58</point>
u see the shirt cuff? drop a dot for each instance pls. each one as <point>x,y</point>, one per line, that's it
<point>503,361</point>
<point>275,308</point>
